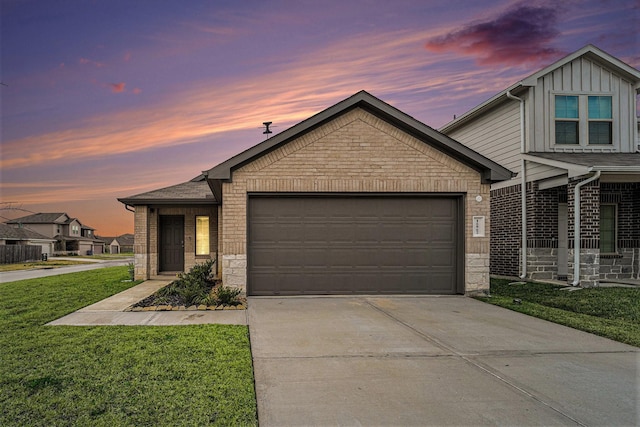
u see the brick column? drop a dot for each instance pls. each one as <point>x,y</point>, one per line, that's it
<point>589,232</point>
<point>141,243</point>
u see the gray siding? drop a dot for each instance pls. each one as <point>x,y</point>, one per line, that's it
<point>581,77</point>
<point>495,135</point>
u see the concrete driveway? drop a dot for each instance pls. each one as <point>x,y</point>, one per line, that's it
<point>432,361</point>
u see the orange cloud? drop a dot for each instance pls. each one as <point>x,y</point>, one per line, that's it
<point>385,63</point>
<point>127,57</point>
<point>117,87</point>
<point>136,91</point>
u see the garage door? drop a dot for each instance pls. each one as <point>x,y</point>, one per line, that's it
<point>347,245</point>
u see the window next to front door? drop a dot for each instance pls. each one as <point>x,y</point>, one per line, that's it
<point>202,235</point>
<point>608,225</point>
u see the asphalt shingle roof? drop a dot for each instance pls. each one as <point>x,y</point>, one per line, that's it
<point>594,159</point>
<point>13,233</point>
<point>195,191</point>
<point>40,218</point>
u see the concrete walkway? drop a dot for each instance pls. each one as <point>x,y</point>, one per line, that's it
<point>432,361</point>
<point>110,311</point>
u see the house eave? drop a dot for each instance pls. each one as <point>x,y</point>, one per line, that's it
<point>146,202</point>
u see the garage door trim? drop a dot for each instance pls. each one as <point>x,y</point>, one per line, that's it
<point>457,197</point>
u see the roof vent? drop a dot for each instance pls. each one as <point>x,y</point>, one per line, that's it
<point>267,131</point>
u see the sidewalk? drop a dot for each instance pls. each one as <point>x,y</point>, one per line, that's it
<point>110,311</point>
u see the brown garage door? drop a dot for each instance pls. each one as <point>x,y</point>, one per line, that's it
<point>345,244</point>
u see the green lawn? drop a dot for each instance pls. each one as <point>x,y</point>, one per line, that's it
<point>610,312</point>
<point>115,375</point>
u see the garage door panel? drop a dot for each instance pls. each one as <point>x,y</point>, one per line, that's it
<point>319,245</point>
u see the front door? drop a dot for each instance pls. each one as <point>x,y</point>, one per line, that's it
<point>171,243</point>
<point>563,247</point>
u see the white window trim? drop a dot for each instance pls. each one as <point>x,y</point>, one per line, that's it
<point>583,122</point>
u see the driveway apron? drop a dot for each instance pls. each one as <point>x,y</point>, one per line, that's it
<point>432,361</point>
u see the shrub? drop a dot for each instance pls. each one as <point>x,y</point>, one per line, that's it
<point>227,295</point>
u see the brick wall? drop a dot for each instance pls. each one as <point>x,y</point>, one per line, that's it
<point>506,231</point>
<point>625,264</point>
<point>589,213</point>
<point>356,152</point>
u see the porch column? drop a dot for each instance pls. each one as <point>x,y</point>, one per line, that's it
<point>141,243</point>
<point>589,231</point>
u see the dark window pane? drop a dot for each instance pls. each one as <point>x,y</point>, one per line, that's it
<point>600,133</point>
<point>607,228</point>
<point>566,132</point>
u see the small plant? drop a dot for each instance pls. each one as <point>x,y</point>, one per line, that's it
<point>227,295</point>
<point>131,268</point>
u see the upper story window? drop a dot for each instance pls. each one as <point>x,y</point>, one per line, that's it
<point>567,119</point>
<point>75,229</point>
<point>583,120</point>
<point>600,120</point>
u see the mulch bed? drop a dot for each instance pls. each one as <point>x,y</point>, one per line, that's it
<point>177,303</point>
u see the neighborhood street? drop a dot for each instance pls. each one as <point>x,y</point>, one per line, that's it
<point>12,276</point>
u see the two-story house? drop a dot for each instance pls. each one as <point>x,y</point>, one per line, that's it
<point>570,132</point>
<point>70,234</point>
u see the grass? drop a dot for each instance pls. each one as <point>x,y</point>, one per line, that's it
<point>115,375</point>
<point>609,312</point>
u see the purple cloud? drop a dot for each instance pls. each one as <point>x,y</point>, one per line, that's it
<point>520,34</point>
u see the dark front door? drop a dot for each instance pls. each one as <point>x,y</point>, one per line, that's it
<point>171,243</point>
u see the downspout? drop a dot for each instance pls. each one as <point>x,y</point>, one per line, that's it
<point>523,186</point>
<point>576,227</point>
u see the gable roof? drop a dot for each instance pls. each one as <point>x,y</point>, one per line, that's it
<point>42,218</point>
<point>125,239</point>
<point>489,170</point>
<point>196,191</point>
<point>8,232</point>
<point>589,51</point>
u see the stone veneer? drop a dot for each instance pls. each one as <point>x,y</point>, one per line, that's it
<point>355,152</point>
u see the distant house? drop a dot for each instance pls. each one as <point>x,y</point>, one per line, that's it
<point>23,236</point>
<point>570,131</point>
<point>70,234</point>
<point>119,244</point>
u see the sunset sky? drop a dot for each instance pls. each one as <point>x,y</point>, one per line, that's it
<point>111,98</point>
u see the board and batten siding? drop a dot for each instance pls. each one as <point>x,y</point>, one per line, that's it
<point>581,76</point>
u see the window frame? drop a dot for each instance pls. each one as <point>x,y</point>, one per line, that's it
<point>615,227</point>
<point>208,234</point>
<point>583,121</point>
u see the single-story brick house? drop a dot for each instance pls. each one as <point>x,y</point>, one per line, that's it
<point>359,198</point>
